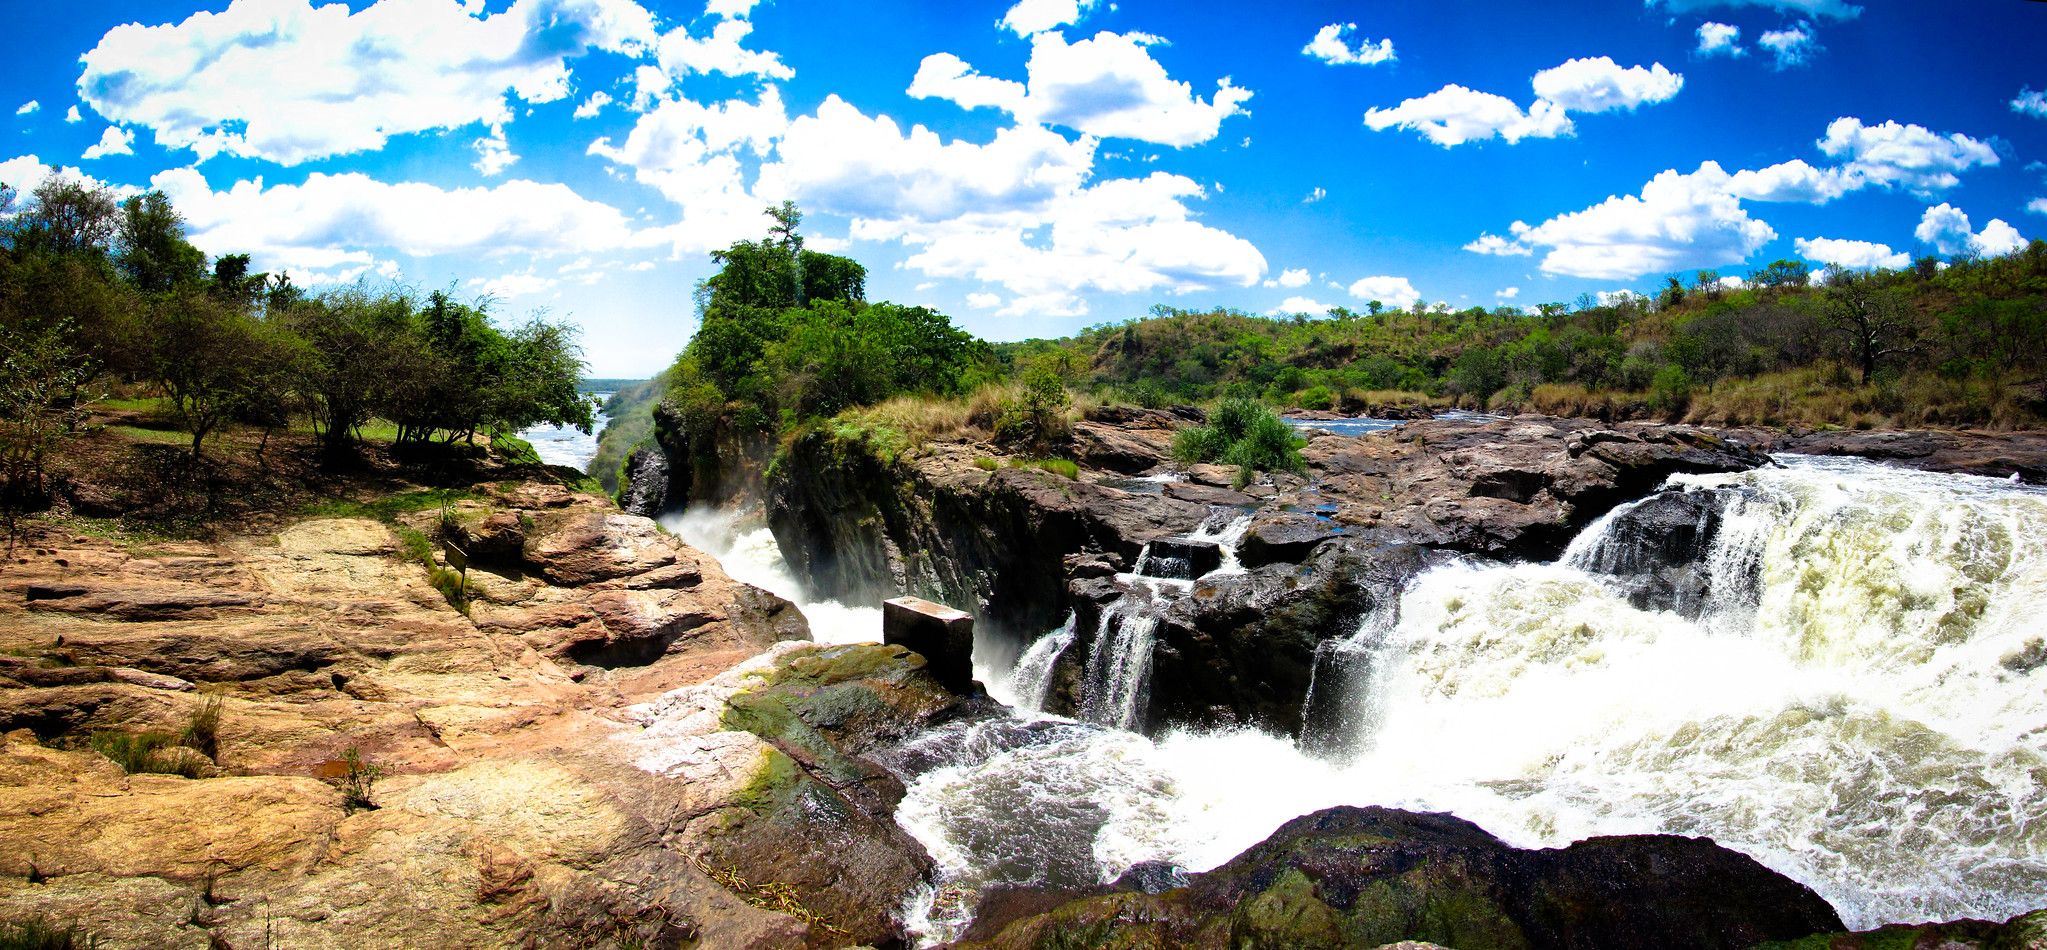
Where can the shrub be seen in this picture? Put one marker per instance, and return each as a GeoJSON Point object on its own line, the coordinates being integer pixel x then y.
{"type": "Point", "coordinates": [357, 781]}
{"type": "Point", "coordinates": [1317, 397]}
{"type": "Point", "coordinates": [1672, 390]}
{"type": "Point", "coordinates": [1245, 433]}
{"type": "Point", "coordinates": [38, 933]}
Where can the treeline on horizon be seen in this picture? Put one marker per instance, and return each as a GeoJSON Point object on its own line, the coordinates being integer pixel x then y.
{"type": "Point", "coordinates": [788, 342]}
{"type": "Point", "coordinates": [102, 296]}
{"type": "Point", "coordinates": [1957, 343]}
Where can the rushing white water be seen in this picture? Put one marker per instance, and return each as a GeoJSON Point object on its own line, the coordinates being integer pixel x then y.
{"type": "Point", "coordinates": [752, 557]}
{"type": "Point", "coordinates": [1860, 706]}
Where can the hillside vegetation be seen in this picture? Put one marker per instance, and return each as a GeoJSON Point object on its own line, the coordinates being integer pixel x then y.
{"type": "Point", "coordinates": [1938, 344]}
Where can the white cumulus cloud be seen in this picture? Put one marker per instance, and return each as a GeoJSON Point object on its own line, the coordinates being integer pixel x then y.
{"type": "Point", "coordinates": [1601, 85]}
{"type": "Point", "coordinates": [1293, 305]}
{"type": "Point", "coordinates": [1835, 9]}
{"type": "Point", "coordinates": [1454, 115]}
{"type": "Point", "coordinates": [1946, 228]}
{"type": "Point", "coordinates": [692, 153]}
{"type": "Point", "coordinates": [1794, 180]}
{"type": "Point", "coordinates": [26, 173]}
{"type": "Point", "coordinates": [1391, 291]}
{"type": "Point", "coordinates": [1017, 211]}
{"type": "Point", "coordinates": [1330, 47]}
{"type": "Point", "coordinates": [1719, 39]}
{"type": "Point", "coordinates": [335, 219]}
{"type": "Point", "coordinates": [984, 301]}
{"type": "Point", "coordinates": [1793, 46]}
{"type": "Point", "coordinates": [1856, 255]}
{"type": "Point", "coordinates": [1678, 222]}
{"type": "Point", "coordinates": [1107, 86]}
{"type": "Point", "coordinates": [1036, 16]}
{"type": "Point", "coordinates": [28, 107]}
{"type": "Point", "coordinates": [114, 141]}
{"type": "Point", "coordinates": [288, 82]}
{"type": "Point", "coordinates": [511, 285]}
{"type": "Point", "coordinates": [1508, 294]}
{"type": "Point", "coordinates": [680, 53]}
{"type": "Point", "coordinates": [1293, 278]}
{"type": "Point", "coordinates": [1922, 161]}
{"type": "Point", "coordinates": [73, 116]}
{"type": "Point", "coordinates": [593, 105]}
{"type": "Point", "coordinates": [2037, 206]}
{"type": "Point", "coordinates": [1495, 244]}
{"type": "Point", "coordinates": [493, 152]}
{"type": "Point", "coordinates": [2028, 102]}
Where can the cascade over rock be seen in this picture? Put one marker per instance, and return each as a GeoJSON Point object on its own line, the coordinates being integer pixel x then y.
{"type": "Point", "coordinates": [1367, 877]}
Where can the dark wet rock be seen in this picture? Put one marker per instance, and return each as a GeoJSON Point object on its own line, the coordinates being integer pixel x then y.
{"type": "Point", "coordinates": [643, 489]}
{"type": "Point", "coordinates": [1180, 558]}
{"type": "Point", "coordinates": [2026, 931]}
{"type": "Point", "coordinates": [1283, 537]}
{"type": "Point", "coordinates": [1658, 551]}
{"type": "Point", "coordinates": [1367, 877]}
{"type": "Point", "coordinates": [1240, 648]}
{"type": "Point", "coordinates": [1992, 454]}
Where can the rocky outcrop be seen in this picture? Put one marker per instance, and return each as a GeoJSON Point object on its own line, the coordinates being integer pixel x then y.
{"type": "Point", "coordinates": [643, 482]}
{"type": "Point", "coordinates": [1658, 551]}
{"type": "Point", "coordinates": [507, 793]}
{"type": "Point", "coordinates": [1369, 877]}
{"type": "Point", "coordinates": [1992, 454]}
{"type": "Point", "coordinates": [1241, 649]}
{"type": "Point", "coordinates": [857, 528]}
{"type": "Point", "coordinates": [2026, 931]}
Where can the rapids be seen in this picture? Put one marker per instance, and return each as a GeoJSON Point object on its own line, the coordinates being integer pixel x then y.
{"type": "Point", "coordinates": [1857, 706]}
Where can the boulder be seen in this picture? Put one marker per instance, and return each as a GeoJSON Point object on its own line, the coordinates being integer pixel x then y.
{"type": "Point", "coordinates": [1372, 877]}
{"type": "Point", "coordinates": [1182, 558]}
{"type": "Point", "coordinates": [1283, 537]}
{"type": "Point", "coordinates": [1114, 448]}
{"type": "Point", "coordinates": [643, 482]}
{"type": "Point", "coordinates": [1658, 551]}
{"type": "Point", "coordinates": [582, 547]}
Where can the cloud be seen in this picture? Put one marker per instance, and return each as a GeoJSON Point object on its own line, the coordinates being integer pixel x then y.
{"type": "Point", "coordinates": [28, 107]}
{"type": "Point", "coordinates": [1454, 115]}
{"type": "Point", "coordinates": [2028, 102]}
{"type": "Point", "coordinates": [1293, 305]}
{"type": "Point", "coordinates": [1293, 278]}
{"type": "Point", "coordinates": [1601, 85]}
{"type": "Point", "coordinates": [1107, 86]}
{"type": "Point", "coordinates": [1791, 47]}
{"type": "Point", "coordinates": [511, 285]}
{"type": "Point", "coordinates": [114, 141]}
{"type": "Point", "coordinates": [2037, 206]}
{"type": "Point", "coordinates": [692, 153]}
{"type": "Point", "coordinates": [493, 153]}
{"type": "Point", "coordinates": [73, 116]}
{"type": "Point", "coordinates": [593, 105]}
{"type": "Point", "coordinates": [1679, 222]}
{"type": "Point", "coordinates": [287, 82]}
{"type": "Point", "coordinates": [335, 219]}
{"type": "Point", "coordinates": [1037, 16]}
{"type": "Point", "coordinates": [731, 9]}
{"type": "Point", "coordinates": [1719, 39]}
{"type": "Point", "coordinates": [1017, 211]}
{"type": "Point", "coordinates": [1835, 9]}
{"type": "Point", "coordinates": [1391, 291]}
{"type": "Point", "coordinates": [1495, 244]}
{"type": "Point", "coordinates": [984, 301]}
{"type": "Point", "coordinates": [1317, 195]}
{"type": "Point", "coordinates": [1795, 180]}
{"type": "Point", "coordinates": [1892, 154]}
{"type": "Point", "coordinates": [1946, 228]}
{"type": "Point", "coordinates": [1329, 47]}
{"type": "Point", "coordinates": [1508, 294]}
{"type": "Point", "coordinates": [26, 173]}
{"type": "Point", "coordinates": [1855, 255]}
{"type": "Point", "coordinates": [680, 53]}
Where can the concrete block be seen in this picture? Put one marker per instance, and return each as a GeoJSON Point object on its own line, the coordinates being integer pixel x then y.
{"type": "Point", "coordinates": [942, 635]}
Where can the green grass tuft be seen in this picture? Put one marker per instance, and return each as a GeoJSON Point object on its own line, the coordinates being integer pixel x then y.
{"type": "Point", "coordinates": [1061, 467]}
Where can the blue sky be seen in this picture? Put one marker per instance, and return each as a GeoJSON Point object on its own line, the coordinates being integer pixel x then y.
{"type": "Point", "coordinates": [1032, 168]}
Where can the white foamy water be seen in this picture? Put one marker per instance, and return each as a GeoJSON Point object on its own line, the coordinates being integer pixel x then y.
{"type": "Point", "coordinates": [1861, 707]}
{"type": "Point", "coordinates": [752, 557]}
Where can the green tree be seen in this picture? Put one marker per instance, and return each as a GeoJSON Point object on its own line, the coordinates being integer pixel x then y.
{"type": "Point", "coordinates": [1872, 319]}
{"type": "Point", "coordinates": [150, 249]}
{"type": "Point", "coordinates": [209, 358]}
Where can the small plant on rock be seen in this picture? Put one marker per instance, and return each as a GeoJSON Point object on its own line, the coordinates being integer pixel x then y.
{"type": "Point", "coordinates": [1245, 433]}
{"type": "Point", "coordinates": [357, 781]}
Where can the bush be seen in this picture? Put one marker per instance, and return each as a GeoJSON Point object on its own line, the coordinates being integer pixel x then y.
{"type": "Point", "coordinates": [38, 933]}
{"type": "Point", "coordinates": [1245, 433]}
{"type": "Point", "coordinates": [1317, 397]}
{"type": "Point", "coordinates": [1672, 390]}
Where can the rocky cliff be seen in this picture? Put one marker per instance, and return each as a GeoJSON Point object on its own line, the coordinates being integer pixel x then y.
{"type": "Point", "coordinates": [300, 740]}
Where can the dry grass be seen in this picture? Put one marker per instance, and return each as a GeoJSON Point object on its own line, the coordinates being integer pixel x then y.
{"type": "Point", "coordinates": [1830, 396]}
{"type": "Point", "coordinates": [1375, 401]}
{"type": "Point", "coordinates": [918, 418]}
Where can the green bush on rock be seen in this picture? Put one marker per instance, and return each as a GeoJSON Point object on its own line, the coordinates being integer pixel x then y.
{"type": "Point", "coordinates": [1245, 433]}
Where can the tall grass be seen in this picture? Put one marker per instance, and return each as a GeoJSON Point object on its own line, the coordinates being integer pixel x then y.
{"type": "Point", "coordinates": [38, 933]}
{"type": "Point", "coordinates": [1245, 433]}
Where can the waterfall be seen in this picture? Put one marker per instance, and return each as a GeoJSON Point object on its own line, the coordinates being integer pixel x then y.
{"type": "Point", "coordinates": [1032, 678]}
{"type": "Point", "coordinates": [1119, 662]}
{"type": "Point", "coordinates": [1841, 677]}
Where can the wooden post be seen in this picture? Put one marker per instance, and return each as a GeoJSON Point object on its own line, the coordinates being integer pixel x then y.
{"type": "Point", "coordinates": [459, 561]}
